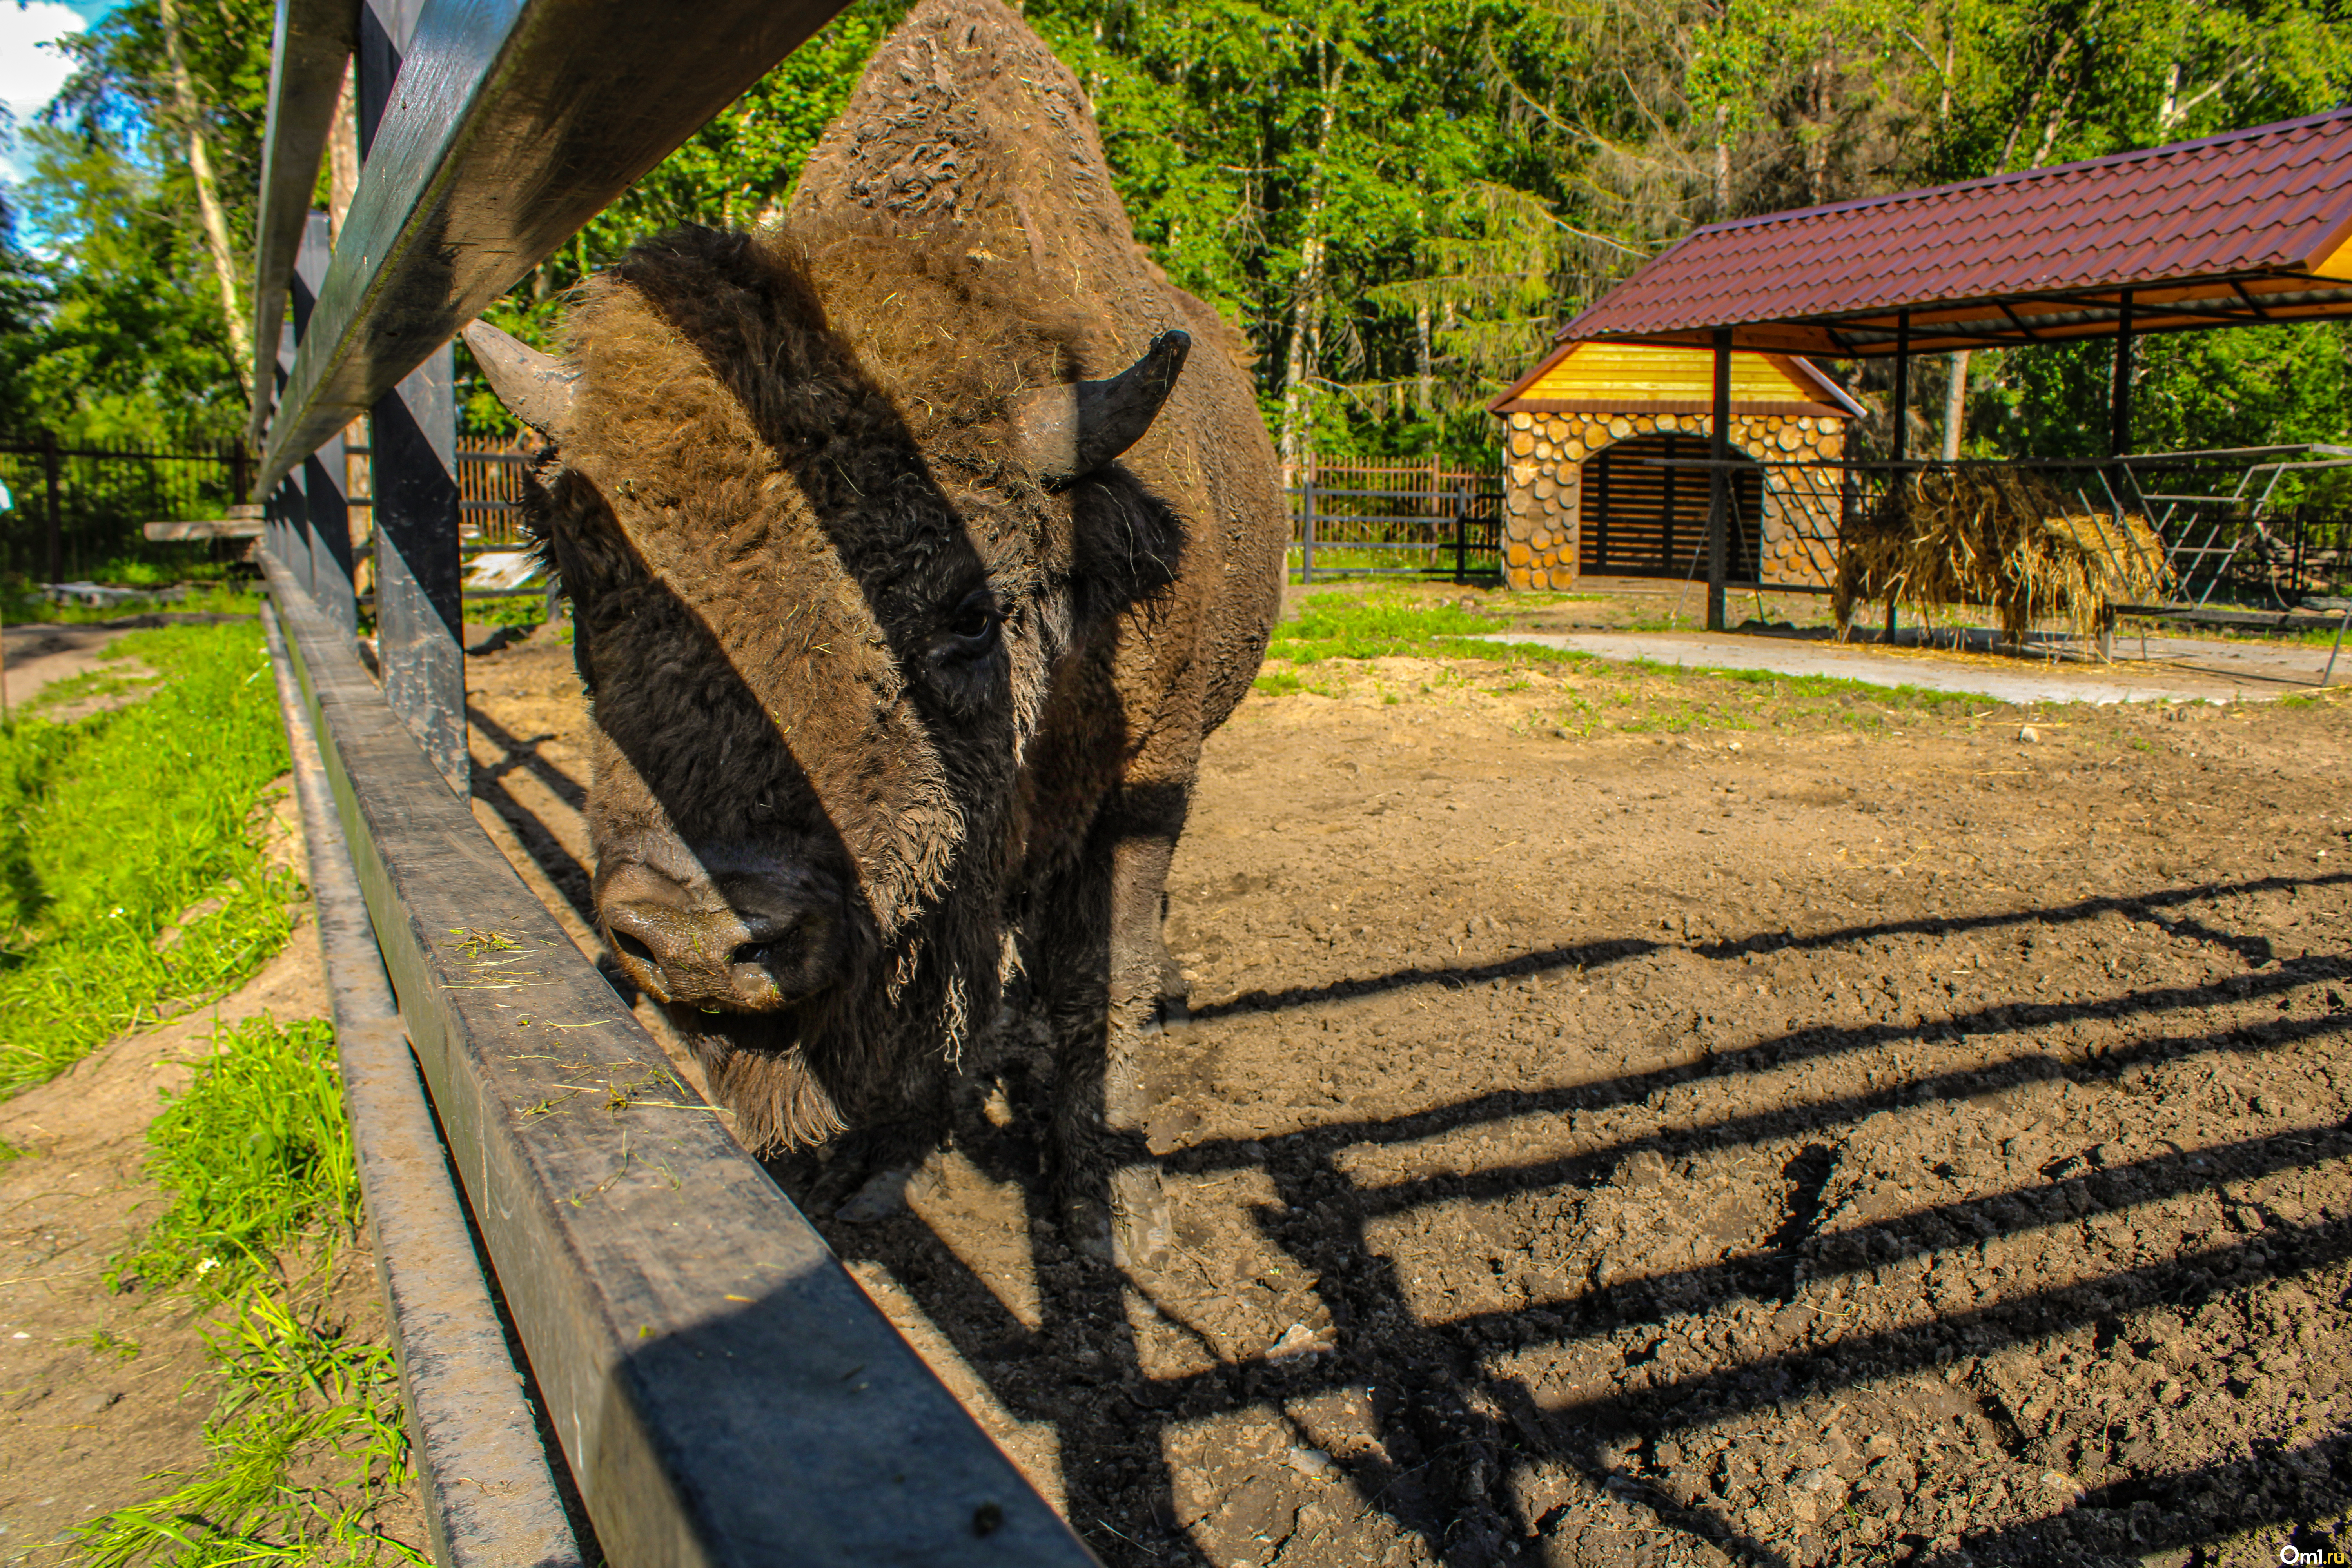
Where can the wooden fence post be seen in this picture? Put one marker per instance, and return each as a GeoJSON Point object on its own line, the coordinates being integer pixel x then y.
{"type": "Point", "coordinates": [325, 507]}
{"type": "Point", "coordinates": [412, 476]}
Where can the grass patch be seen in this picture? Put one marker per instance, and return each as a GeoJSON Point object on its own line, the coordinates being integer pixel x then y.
{"type": "Point", "coordinates": [513, 610]}
{"type": "Point", "coordinates": [1375, 625]}
{"type": "Point", "coordinates": [1921, 697]}
{"type": "Point", "coordinates": [305, 1444]}
{"type": "Point", "coordinates": [19, 606]}
{"type": "Point", "coordinates": [131, 864]}
{"type": "Point", "coordinates": [90, 684]}
{"type": "Point", "coordinates": [257, 1151]}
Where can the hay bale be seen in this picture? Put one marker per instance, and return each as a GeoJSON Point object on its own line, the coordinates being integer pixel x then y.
{"type": "Point", "coordinates": [1996, 537]}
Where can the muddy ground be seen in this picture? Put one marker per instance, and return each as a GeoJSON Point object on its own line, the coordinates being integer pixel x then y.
{"type": "Point", "coordinates": [1639, 1119]}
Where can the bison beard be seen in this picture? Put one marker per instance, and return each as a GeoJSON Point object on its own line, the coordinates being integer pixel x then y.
{"type": "Point", "coordinates": [912, 560]}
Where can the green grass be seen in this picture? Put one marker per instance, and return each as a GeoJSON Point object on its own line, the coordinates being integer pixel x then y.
{"type": "Point", "coordinates": [257, 1151]}
{"type": "Point", "coordinates": [1375, 625]}
{"type": "Point", "coordinates": [131, 866]}
{"type": "Point", "coordinates": [19, 606]}
{"type": "Point", "coordinates": [514, 610]}
{"type": "Point", "coordinates": [1625, 697]}
{"type": "Point", "coordinates": [1832, 687]}
{"type": "Point", "coordinates": [305, 1443]}
{"type": "Point", "coordinates": [89, 684]}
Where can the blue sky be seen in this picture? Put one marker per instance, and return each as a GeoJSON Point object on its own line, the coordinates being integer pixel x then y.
{"type": "Point", "coordinates": [30, 74]}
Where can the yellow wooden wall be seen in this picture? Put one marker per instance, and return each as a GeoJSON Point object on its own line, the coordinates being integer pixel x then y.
{"type": "Point", "coordinates": [1633, 373]}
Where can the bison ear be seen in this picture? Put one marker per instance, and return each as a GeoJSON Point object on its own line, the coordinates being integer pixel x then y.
{"type": "Point", "coordinates": [1070, 430]}
{"type": "Point", "coordinates": [537, 388]}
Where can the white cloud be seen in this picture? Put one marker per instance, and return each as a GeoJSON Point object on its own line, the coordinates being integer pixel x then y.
{"type": "Point", "coordinates": [31, 68]}
{"type": "Point", "coordinates": [31, 73]}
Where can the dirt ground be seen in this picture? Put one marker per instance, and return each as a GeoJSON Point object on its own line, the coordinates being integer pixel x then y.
{"type": "Point", "coordinates": [1638, 1118]}
{"type": "Point", "coordinates": [102, 1390]}
{"type": "Point", "coordinates": [36, 655]}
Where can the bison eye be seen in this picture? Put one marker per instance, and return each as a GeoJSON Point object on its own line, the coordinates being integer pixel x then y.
{"type": "Point", "coordinates": [971, 631]}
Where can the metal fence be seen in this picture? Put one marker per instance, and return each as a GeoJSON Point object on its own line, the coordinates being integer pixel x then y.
{"type": "Point", "coordinates": [1394, 520]}
{"type": "Point", "coordinates": [2226, 535]}
{"type": "Point", "coordinates": [75, 506]}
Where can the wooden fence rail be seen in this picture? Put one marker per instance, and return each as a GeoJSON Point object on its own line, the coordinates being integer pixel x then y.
{"type": "Point", "coordinates": [721, 1391]}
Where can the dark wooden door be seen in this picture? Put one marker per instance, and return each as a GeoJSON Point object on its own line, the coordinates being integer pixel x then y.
{"type": "Point", "coordinates": [1642, 518]}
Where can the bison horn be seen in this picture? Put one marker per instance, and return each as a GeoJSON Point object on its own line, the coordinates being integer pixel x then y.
{"type": "Point", "coordinates": [537, 388]}
{"type": "Point", "coordinates": [1077, 427]}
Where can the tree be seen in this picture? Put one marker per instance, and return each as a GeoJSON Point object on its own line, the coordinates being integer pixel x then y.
{"type": "Point", "coordinates": [737, 171]}
{"type": "Point", "coordinates": [145, 171]}
{"type": "Point", "coordinates": [120, 349]}
{"type": "Point", "coordinates": [2063, 80]}
{"type": "Point", "coordinates": [1359, 188]}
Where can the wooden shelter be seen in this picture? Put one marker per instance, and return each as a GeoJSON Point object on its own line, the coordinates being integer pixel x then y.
{"type": "Point", "coordinates": [1590, 485]}
{"type": "Point", "coordinates": [2242, 229]}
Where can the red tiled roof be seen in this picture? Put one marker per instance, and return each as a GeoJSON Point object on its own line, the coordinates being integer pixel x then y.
{"type": "Point", "coordinates": [2232, 229]}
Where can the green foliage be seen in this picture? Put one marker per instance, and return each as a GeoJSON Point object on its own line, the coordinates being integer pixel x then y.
{"type": "Point", "coordinates": [2250, 387]}
{"type": "Point", "coordinates": [257, 1154]}
{"type": "Point", "coordinates": [1350, 185]}
{"type": "Point", "coordinates": [131, 340]}
{"type": "Point", "coordinates": [738, 171]}
{"type": "Point", "coordinates": [132, 870]}
{"type": "Point", "coordinates": [1397, 205]}
{"type": "Point", "coordinates": [132, 343]}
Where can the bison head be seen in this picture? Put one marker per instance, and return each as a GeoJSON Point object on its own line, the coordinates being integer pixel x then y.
{"type": "Point", "coordinates": [831, 512]}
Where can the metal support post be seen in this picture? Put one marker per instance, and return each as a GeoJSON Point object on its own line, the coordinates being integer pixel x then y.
{"type": "Point", "coordinates": [419, 605]}
{"type": "Point", "coordinates": [2119, 411]}
{"type": "Point", "coordinates": [57, 519]}
{"type": "Point", "coordinates": [1306, 528]}
{"type": "Point", "coordinates": [1718, 482]}
{"type": "Point", "coordinates": [1899, 438]}
{"type": "Point", "coordinates": [1461, 537]}
{"type": "Point", "coordinates": [325, 507]}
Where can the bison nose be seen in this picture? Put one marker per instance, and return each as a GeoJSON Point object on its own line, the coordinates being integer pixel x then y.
{"type": "Point", "coordinates": [751, 950]}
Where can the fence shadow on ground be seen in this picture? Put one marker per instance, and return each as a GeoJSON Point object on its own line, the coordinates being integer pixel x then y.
{"type": "Point", "coordinates": [1452, 1430]}
{"type": "Point", "coordinates": [1472, 1427]}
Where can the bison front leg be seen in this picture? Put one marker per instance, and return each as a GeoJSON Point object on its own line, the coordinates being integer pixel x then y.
{"type": "Point", "coordinates": [1107, 990]}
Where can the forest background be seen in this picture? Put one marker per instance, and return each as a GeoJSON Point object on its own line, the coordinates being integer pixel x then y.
{"type": "Point", "coordinates": [1399, 203]}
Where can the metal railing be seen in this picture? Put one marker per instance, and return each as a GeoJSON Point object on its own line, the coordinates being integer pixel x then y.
{"type": "Point", "coordinates": [76, 505]}
{"type": "Point", "coordinates": [1417, 520]}
{"type": "Point", "coordinates": [719, 1390]}
{"type": "Point", "coordinates": [2224, 528]}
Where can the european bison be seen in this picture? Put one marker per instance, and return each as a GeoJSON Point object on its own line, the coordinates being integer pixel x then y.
{"type": "Point", "coordinates": [910, 574]}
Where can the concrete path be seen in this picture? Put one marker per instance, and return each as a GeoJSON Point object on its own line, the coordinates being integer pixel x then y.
{"type": "Point", "coordinates": [2175, 669]}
